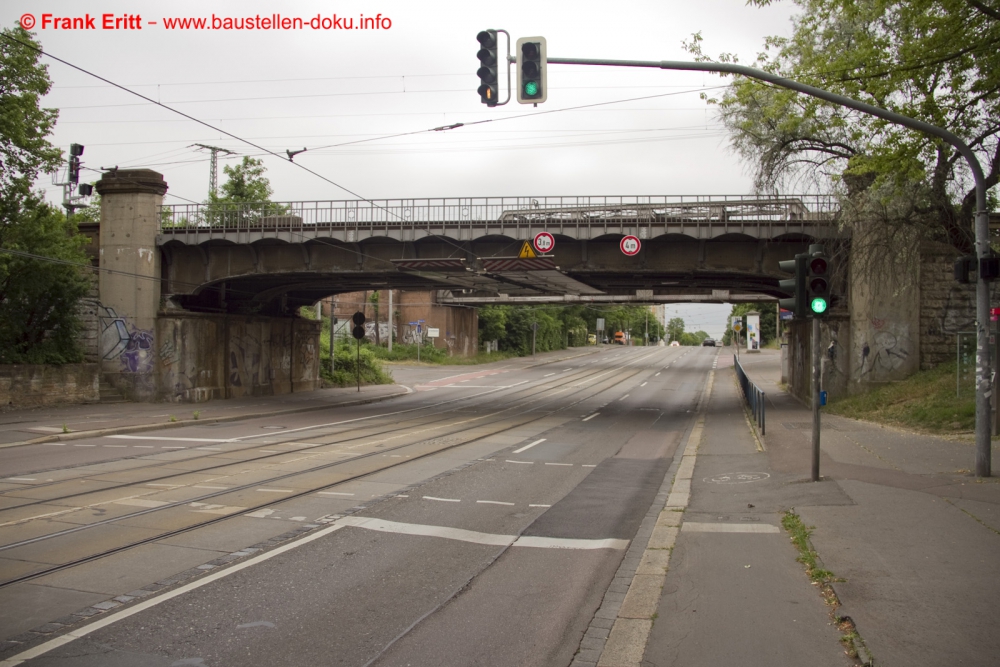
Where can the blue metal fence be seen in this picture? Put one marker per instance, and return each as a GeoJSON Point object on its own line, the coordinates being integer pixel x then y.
{"type": "Point", "coordinates": [752, 393]}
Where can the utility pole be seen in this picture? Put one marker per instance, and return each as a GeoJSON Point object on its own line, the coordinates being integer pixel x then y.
{"type": "Point", "coordinates": [815, 398]}
{"type": "Point", "coordinates": [213, 174]}
{"type": "Point", "coordinates": [390, 320]}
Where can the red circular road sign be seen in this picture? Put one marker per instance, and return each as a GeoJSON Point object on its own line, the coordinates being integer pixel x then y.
{"type": "Point", "coordinates": [544, 242]}
{"type": "Point", "coordinates": [630, 245]}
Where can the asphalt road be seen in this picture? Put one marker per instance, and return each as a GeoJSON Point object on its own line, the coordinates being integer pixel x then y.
{"type": "Point", "coordinates": [477, 521]}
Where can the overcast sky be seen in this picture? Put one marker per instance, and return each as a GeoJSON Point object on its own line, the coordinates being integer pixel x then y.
{"type": "Point", "coordinates": [290, 89]}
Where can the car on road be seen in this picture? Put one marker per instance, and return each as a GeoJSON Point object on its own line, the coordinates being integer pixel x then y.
{"type": "Point", "coordinates": [620, 338]}
{"type": "Point", "coordinates": [708, 342]}
{"type": "Point", "coordinates": [675, 343]}
{"type": "Point", "coordinates": [591, 339]}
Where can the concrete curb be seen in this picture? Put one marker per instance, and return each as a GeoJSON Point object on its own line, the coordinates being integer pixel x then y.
{"type": "Point", "coordinates": [138, 428]}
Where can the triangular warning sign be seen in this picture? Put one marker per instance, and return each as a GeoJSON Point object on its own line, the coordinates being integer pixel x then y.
{"type": "Point", "coordinates": [527, 252]}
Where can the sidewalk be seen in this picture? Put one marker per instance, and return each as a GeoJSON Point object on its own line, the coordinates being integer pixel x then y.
{"type": "Point", "coordinates": [913, 539]}
{"type": "Point", "coordinates": [68, 422]}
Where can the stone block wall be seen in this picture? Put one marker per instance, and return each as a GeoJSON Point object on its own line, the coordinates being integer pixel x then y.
{"type": "Point", "coordinates": [31, 385]}
{"type": "Point", "coordinates": [946, 306]}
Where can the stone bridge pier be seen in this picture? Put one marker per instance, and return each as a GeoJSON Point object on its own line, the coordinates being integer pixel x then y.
{"type": "Point", "coordinates": [149, 353]}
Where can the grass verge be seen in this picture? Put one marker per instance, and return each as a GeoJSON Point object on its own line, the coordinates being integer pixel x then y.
{"type": "Point", "coordinates": [924, 402]}
{"type": "Point", "coordinates": [854, 645]}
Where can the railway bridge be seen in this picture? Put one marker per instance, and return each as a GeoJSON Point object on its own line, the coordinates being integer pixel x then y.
{"type": "Point", "coordinates": [200, 301]}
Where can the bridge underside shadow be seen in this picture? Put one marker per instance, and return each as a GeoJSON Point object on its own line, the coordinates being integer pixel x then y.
{"type": "Point", "coordinates": [276, 277]}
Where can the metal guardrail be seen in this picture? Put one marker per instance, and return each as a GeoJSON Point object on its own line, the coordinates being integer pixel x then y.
{"type": "Point", "coordinates": [752, 393]}
{"type": "Point", "coordinates": [508, 211]}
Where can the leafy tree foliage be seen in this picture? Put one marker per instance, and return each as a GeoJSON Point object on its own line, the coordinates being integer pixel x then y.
{"type": "Point", "coordinates": [38, 323]}
{"type": "Point", "coordinates": [245, 197]}
{"type": "Point", "coordinates": [934, 60]}
{"type": "Point", "coordinates": [768, 321]}
{"type": "Point", "coordinates": [560, 326]}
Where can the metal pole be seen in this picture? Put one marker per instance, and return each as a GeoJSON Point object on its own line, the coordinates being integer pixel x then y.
{"type": "Point", "coordinates": [984, 375]}
{"type": "Point", "coordinates": [358, 367]}
{"type": "Point", "coordinates": [418, 342]}
{"type": "Point", "coordinates": [390, 320]}
{"type": "Point", "coordinates": [815, 399]}
{"type": "Point", "coordinates": [333, 324]}
{"type": "Point", "coordinates": [534, 329]}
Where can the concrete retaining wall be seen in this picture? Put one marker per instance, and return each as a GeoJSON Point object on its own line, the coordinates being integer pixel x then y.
{"type": "Point", "coordinates": [204, 356]}
{"type": "Point", "coordinates": [30, 385]}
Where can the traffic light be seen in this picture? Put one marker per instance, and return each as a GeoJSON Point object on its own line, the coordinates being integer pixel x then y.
{"type": "Point", "coordinates": [818, 281]}
{"type": "Point", "coordinates": [795, 286]}
{"type": "Point", "coordinates": [75, 151]}
{"type": "Point", "coordinates": [488, 92]}
{"type": "Point", "coordinates": [531, 70]}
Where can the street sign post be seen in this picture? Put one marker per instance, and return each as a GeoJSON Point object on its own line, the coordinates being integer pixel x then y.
{"type": "Point", "coordinates": [544, 242]}
{"type": "Point", "coordinates": [358, 332]}
{"type": "Point", "coordinates": [630, 245]}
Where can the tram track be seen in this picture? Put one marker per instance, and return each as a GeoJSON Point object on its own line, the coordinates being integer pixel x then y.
{"type": "Point", "coordinates": [493, 427]}
{"type": "Point", "coordinates": [538, 388]}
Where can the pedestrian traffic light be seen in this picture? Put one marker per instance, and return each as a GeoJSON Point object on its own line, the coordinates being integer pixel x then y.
{"type": "Point", "coordinates": [488, 92]}
{"type": "Point", "coordinates": [796, 286]}
{"type": "Point", "coordinates": [818, 281]}
{"type": "Point", "coordinates": [531, 70]}
{"type": "Point", "coordinates": [75, 151]}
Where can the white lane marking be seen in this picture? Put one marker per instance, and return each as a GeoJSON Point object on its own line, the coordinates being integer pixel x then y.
{"type": "Point", "coordinates": [333, 493]}
{"type": "Point", "coordinates": [548, 374]}
{"type": "Point", "coordinates": [567, 370]}
{"type": "Point", "coordinates": [46, 429]}
{"type": "Point", "coordinates": [528, 462]}
{"type": "Point", "coordinates": [539, 505]}
{"type": "Point", "coordinates": [443, 500]}
{"type": "Point", "coordinates": [140, 502]}
{"type": "Point", "coordinates": [114, 617]}
{"type": "Point", "coordinates": [163, 437]}
{"type": "Point", "coordinates": [643, 384]}
{"type": "Point", "coordinates": [656, 375]}
{"type": "Point", "coordinates": [276, 490]}
{"type": "Point", "coordinates": [85, 445]}
{"type": "Point", "coordinates": [493, 502]}
{"type": "Point", "coordinates": [476, 537]}
{"type": "Point", "coordinates": [527, 447]}
{"type": "Point", "coordinates": [402, 496]}
{"type": "Point", "coordinates": [694, 527]}
{"type": "Point", "coordinates": [173, 447]}
{"type": "Point", "coordinates": [568, 543]}
{"type": "Point", "coordinates": [587, 419]}
{"type": "Point", "coordinates": [260, 514]}
{"type": "Point", "coordinates": [624, 397]}
{"type": "Point", "coordinates": [21, 479]}
{"type": "Point", "coordinates": [586, 465]}
{"type": "Point", "coordinates": [114, 445]}
{"type": "Point", "coordinates": [143, 446]}
{"type": "Point", "coordinates": [206, 486]}
{"type": "Point", "coordinates": [558, 464]}
{"type": "Point", "coordinates": [54, 444]}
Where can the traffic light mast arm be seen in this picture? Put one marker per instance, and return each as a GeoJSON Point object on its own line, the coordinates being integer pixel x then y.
{"type": "Point", "coordinates": [500, 104]}
{"type": "Point", "coordinates": [984, 362]}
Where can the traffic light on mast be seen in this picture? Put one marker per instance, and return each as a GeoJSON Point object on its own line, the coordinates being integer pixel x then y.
{"type": "Point", "coordinates": [75, 151]}
{"type": "Point", "coordinates": [488, 92]}
{"type": "Point", "coordinates": [795, 286]}
{"type": "Point", "coordinates": [818, 281]}
{"type": "Point", "coordinates": [532, 86]}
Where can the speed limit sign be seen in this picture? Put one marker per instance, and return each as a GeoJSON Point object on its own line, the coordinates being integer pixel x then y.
{"type": "Point", "coordinates": [544, 242]}
{"type": "Point", "coordinates": [630, 245]}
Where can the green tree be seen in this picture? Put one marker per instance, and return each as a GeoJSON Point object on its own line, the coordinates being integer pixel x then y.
{"type": "Point", "coordinates": [245, 197]}
{"type": "Point", "coordinates": [768, 321]}
{"type": "Point", "coordinates": [675, 329]}
{"type": "Point", "coordinates": [41, 255]}
{"type": "Point", "coordinates": [934, 60]}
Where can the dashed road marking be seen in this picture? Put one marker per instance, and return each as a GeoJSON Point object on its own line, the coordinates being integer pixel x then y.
{"type": "Point", "coordinates": [527, 447]}
{"type": "Point", "coordinates": [494, 502]}
{"type": "Point", "coordinates": [587, 419]}
{"type": "Point", "coordinates": [528, 462]}
{"type": "Point", "coordinates": [643, 384]}
{"type": "Point", "coordinates": [443, 500]}
{"type": "Point", "coordinates": [558, 464]}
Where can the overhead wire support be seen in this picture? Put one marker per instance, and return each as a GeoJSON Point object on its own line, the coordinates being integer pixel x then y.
{"type": "Point", "coordinates": [213, 174]}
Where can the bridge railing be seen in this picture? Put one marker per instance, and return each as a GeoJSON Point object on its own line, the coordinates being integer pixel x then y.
{"type": "Point", "coordinates": [502, 211]}
{"type": "Point", "coordinates": [752, 394]}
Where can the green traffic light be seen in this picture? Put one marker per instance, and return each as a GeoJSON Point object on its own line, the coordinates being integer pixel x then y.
{"type": "Point", "coordinates": [818, 305]}
{"type": "Point", "coordinates": [531, 88]}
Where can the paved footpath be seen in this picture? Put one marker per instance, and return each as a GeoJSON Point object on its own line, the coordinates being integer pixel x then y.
{"type": "Point", "coordinates": [913, 539]}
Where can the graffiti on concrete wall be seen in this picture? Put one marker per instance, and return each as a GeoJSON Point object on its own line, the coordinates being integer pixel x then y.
{"type": "Point", "coordinates": [884, 351]}
{"type": "Point", "coordinates": [122, 341]}
{"type": "Point", "coordinates": [245, 357]}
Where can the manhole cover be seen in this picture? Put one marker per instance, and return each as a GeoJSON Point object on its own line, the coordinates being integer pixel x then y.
{"type": "Point", "coordinates": [738, 477]}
